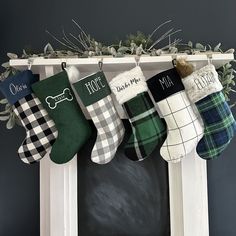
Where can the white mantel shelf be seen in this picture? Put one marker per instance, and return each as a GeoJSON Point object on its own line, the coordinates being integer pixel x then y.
{"type": "Point", "coordinates": [187, 179]}
{"type": "Point", "coordinates": [112, 64]}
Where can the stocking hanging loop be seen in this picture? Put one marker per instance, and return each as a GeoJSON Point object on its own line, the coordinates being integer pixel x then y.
{"type": "Point", "coordinates": [174, 60]}
{"type": "Point", "coordinates": [100, 64]}
{"type": "Point", "coordinates": [209, 58]}
{"type": "Point", "coordinates": [137, 60]}
{"type": "Point", "coordinates": [30, 63]}
{"type": "Point", "coordinates": [63, 65]}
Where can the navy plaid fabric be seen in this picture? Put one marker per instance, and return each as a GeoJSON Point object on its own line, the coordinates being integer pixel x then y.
{"type": "Point", "coordinates": [40, 129]}
{"type": "Point", "coordinates": [220, 125]}
{"type": "Point", "coordinates": [148, 129]}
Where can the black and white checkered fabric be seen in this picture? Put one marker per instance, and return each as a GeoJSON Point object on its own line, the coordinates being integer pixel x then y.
{"type": "Point", "coordinates": [110, 130]}
{"type": "Point", "coordinates": [185, 128]}
{"type": "Point", "coordinates": [40, 129]}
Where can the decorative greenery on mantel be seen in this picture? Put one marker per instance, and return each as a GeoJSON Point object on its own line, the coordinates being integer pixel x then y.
{"type": "Point", "coordinates": [83, 45]}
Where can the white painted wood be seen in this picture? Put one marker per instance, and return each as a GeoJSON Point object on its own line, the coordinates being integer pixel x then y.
{"type": "Point", "coordinates": [187, 180]}
{"type": "Point", "coordinates": [58, 193]}
{"type": "Point", "coordinates": [188, 197]}
{"type": "Point", "coordinates": [111, 64]}
{"type": "Point", "coordinates": [176, 199]}
{"type": "Point", "coordinates": [195, 197]}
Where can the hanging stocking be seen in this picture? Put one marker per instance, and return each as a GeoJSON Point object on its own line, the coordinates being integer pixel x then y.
{"type": "Point", "coordinates": [184, 127]}
{"type": "Point", "coordinates": [40, 129]}
{"type": "Point", "coordinates": [57, 97]}
{"type": "Point", "coordinates": [96, 96]}
{"type": "Point", "coordinates": [148, 129]}
{"type": "Point", "coordinates": [204, 89]}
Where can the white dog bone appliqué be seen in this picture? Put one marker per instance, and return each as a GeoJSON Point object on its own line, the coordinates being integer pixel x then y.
{"type": "Point", "coordinates": [53, 101]}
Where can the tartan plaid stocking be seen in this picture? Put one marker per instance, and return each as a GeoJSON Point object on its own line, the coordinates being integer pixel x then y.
{"type": "Point", "coordinates": [184, 127]}
{"type": "Point", "coordinates": [204, 89]}
{"type": "Point", "coordinates": [95, 94]}
{"type": "Point", "coordinates": [40, 129]}
{"type": "Point", "coordinates": [74, 130]}
{"type": "Point", "coordinates": [148, 130]}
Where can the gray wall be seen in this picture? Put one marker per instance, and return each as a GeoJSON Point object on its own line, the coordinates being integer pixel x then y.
{"type": "Point", "coordinates": [23, 24]}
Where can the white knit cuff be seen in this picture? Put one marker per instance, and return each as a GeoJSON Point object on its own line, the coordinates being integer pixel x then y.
{"type": "Point", "coordinates": [128, 84]}
{"type": "Point", "coordinates": [202, 83]}
{"type": "Point", "coordinates": [73, 74]}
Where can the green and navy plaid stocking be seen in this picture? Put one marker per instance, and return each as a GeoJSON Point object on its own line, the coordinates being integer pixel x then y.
{"type": "Point", "coordinates": [148, 129]}
{"type": "Point", "coordinates": [204, 89]}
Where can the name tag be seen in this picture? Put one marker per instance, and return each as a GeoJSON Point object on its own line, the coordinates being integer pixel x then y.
{"type": "Point", "coordinates": [14, 89]}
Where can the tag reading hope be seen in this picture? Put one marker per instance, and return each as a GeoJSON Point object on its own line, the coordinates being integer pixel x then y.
{"type": "Point", "coordinates": [92, 88]}
{"type": "Point", "coordinates": [95, 84]}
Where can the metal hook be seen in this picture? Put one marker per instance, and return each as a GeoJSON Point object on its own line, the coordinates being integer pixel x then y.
{"type": "Point", "coordinates": [63, 65]}
{"type": "Point", "coordinates": [174, 60]}
{"type": "Point", "coordinates": [100, 64]}
{"type": "Point", "coordinates": [30, 63]}
{"type": "Point", "coordinates": [209, 58]}
{"type": "Point", "coordinates": [137, 60]}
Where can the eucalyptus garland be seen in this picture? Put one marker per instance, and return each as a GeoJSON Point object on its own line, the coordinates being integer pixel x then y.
{"type": "Point", "coordinates": [83, 45]}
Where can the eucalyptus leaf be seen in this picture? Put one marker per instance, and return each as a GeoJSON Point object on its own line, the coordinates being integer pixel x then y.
{"type": "Point", "coordinates": [48, 48]}
{"type": "Point", "coordinates": [12, 55]}
{"type": "Point", "coordinates": [4, 118]}
{"type": "Point", "coordinates": [10, 124]}
{"type": "Point", "coordinates": [217, 47]}
{"type": "Point", "coordinates": [3, 101]}
{"type": "Point", "coordinates": [190, 44]}
{"type": "Point", "coordinates": [25, 53]}
{"type": "Point", "coordinates": [200, 47]}
{"type": "Point", "coordinates": [5, 112]}
{"type": "Point", "coordinates": [6, 73]}
{"type": "Point", "coordinates": [231, 50]}
{"type": "Point", "coordinates": [5, 64]}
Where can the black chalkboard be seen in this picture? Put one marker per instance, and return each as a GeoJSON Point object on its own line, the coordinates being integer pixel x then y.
{"type": "Point", "coordinates": [123, 198]}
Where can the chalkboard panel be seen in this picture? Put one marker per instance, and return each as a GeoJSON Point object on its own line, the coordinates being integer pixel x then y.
{"type": "Point", "coordinates": [123, 198]}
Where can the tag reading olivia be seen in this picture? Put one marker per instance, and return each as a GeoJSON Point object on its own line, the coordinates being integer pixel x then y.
{"type": "Point", "coordinates": [14, 89]}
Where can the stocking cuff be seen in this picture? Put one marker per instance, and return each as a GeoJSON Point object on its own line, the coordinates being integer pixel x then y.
{"type": "Point", "coordinates": [165, 84]}
{"type": "Point", "coordinates": [92, 88]}
{"type": "Point", "coordinates": [202, 83]}
{"type": "Point", "coordinates": [73, 74]}
{"type": "Point", "coordinates": [128, 84]}
{"type": "Point", "coordinates": [18, 86]}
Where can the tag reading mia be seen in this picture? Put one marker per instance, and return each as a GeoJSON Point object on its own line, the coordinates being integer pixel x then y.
{"type": "Point", "coordinates": [165, 84]}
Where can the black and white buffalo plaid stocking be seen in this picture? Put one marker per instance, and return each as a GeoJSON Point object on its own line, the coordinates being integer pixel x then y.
{"type": "Point", "coordinates": [40, 129]}
{"type": "Point", "coordinates": [96, 96]}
